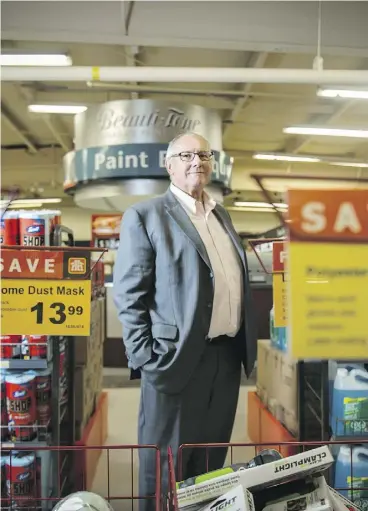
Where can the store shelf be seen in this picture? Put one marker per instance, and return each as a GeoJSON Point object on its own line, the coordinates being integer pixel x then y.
{"type": "Point", "coordinates": [19, 364]}
{"type": "Point", "coordinates": [264, 428]}
{"type": "Point", "coordinates": [32, 445]}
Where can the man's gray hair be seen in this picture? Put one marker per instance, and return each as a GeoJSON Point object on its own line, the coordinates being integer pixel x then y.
{"type": "Point", "coordinates": [171, 147]}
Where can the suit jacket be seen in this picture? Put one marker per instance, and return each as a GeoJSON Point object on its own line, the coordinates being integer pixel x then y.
{"type": "Point", "coordinates": [163, 292]}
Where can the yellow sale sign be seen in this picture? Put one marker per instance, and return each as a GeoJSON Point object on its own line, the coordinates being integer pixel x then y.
{"type": "Point", "coordinates": [328, 274]}
{"type": "Point", "coordinates": [45, 307]}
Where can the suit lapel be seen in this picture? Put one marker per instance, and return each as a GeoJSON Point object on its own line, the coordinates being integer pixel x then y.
{"type": "Point", "coordinates": [222, 217]}
{"type": "Point", "coordinates": [178, 214]}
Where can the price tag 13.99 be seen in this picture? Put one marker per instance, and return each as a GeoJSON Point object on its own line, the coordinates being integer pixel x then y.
{"type": "Point", "coordinates": [43, 307]}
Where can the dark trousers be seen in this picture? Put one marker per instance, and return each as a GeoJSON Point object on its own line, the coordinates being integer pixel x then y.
{"type": "Point", "coordinates": [203, 412]}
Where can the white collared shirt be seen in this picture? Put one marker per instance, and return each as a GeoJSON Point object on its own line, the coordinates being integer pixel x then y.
{"type": "Point", "coordinates": [225, 263]}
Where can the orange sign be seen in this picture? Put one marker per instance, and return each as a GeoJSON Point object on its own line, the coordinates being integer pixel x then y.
{"type": "Point", "coordinates": [328, 215]}
{"type": "Point", "coordinates": [33, 264]}
{"type": "Point", "coordinates": [44, 264]}
{"type": "Point", "coordinates": [278, 257]}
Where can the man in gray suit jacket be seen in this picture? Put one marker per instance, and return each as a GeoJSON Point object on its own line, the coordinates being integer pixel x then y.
{"type": "Point", "coordinates": [182, 293]}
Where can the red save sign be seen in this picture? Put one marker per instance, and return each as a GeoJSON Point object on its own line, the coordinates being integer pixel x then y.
{"type": "Point", "coordinates": [278, 256]}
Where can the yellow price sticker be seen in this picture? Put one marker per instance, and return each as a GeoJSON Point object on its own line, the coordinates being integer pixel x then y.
{"type": "Point", "coordinates": [45, 307]}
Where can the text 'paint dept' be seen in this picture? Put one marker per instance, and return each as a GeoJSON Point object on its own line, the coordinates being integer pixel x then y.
{"type": "Point", "coordinates": [122, 161]}
{"type": "Point", "coordinates": [52, 290]}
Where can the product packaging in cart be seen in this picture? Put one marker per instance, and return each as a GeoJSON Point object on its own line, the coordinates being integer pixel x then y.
{"type": "Point", "coordinates": [237, 499]}
{"type": "Point", "coordinates": [264, 476]}
{"type": "Point", "coordinates": [306, 494]}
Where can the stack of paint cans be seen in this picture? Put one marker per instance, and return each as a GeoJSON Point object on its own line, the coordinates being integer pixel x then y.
{"type": "Point", "coordinates": [25, 416]}
{"type": "Point", "coordinates": [34, 228]}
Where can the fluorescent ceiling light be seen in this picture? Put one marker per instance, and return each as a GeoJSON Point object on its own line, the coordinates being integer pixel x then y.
{"type": "Point", "coordinates": [260, 205]}
{"type": "Point", "coordinates": [285, 157]}
{"type": "Point", "coordinates": [31, 59]}
{"type": "Point", "coordinates": [22, 205]}
{"type": "Point", "coordinates": [30, 202]}
{"type": "Point", "coordinates": [329, 132]}
{"type": "Point", "coordinates": [341, 93]}
{"type": "Point", "coordinates": [349, 164]}
{"type": "Point", "coordinates": [57, 109]}
{"type": "Point", "coordinates": [44, 201]}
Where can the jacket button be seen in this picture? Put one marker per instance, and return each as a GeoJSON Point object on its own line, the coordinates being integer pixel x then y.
{"type": "Point", "coordinates": [211, 275]}
{"type": "Point", "coordinates": [209, 305]}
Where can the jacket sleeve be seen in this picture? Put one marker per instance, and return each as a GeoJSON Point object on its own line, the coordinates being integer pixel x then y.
{"type": "Point", "coordinates": [133, 283]}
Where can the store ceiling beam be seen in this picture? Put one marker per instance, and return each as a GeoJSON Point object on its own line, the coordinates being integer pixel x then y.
{"type": "Point", "coordinates": [185, 74]}
{"type": "Point", "coordinates": [297, 144]}
{"type": "Point", "coordinates": [57, 129]}
{"type": "Point", "coordinates": [257, 60]}
{"type": "Point", "coordinates": [17, 127]}
{"type": "Point", "coordinates": [280, 27]}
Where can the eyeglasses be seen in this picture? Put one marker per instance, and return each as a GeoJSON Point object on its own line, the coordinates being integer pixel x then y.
{"type": "Point", "coordinates": [187, 156]}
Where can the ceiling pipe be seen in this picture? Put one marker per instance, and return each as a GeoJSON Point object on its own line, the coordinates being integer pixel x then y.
{"type": "Point", "coordinates": [152, 89]}
{"type": "Point", "coordinates": [184, 74]}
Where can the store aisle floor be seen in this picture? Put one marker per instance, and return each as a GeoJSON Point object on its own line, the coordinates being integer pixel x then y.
{"type": "Point", "coordinates": [123, 413]}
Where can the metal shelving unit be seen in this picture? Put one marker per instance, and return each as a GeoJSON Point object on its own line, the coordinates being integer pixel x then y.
{"type": "Point", "coordinates": [61, 429]}
{"type": "Point", "coordinates": [314, 402]}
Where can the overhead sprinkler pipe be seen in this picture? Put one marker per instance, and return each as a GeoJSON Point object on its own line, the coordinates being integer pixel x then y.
{"type": "Point", "coordinates": [184, 74]}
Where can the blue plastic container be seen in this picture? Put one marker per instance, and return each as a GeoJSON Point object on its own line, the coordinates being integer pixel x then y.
{"type": "Point", "coordinates": [277, 334]}
{"type": "Point", "coordinates": [350, 403]}
{"type": "Point", "coordinates": [333, 366]}
{"type": "Point", "coordinates": [351, 474]}
{"type": "Point", "coordinates": [273, 330]}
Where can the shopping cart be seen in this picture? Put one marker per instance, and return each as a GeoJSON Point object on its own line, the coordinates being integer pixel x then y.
{"type": "Point", "coordinates": [59, 471]}
{"type": "Point", "coordinates": [244, 452]}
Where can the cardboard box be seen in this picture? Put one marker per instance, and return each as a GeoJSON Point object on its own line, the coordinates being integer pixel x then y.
{"type": "Point", "coordinates": [288, 386]}
{"type": "Point", "coordinates": [257, 478]}
{"type": "Point", "coordinates": [85, 346]}
{"type": "Point", "coordinates": [263, 375]}
{"type": "Point", "coordinates": [290, 420]}
{"type": "Point", "coordinates": [274, 369]}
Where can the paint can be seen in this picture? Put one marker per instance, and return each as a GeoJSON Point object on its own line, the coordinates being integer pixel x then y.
{"type": "Point", "coordinates": [21, 479]}
{"type": "Point", "coordinates": [21, 405]}
{"type": "Point", "coordinates": [34, 228]}
{"type": "Point", "coordinates": [9, 228]}
{"type": "Point", "coordinates": [37, 346]}
{"type": "Point", "coordinates": [43, 397]}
